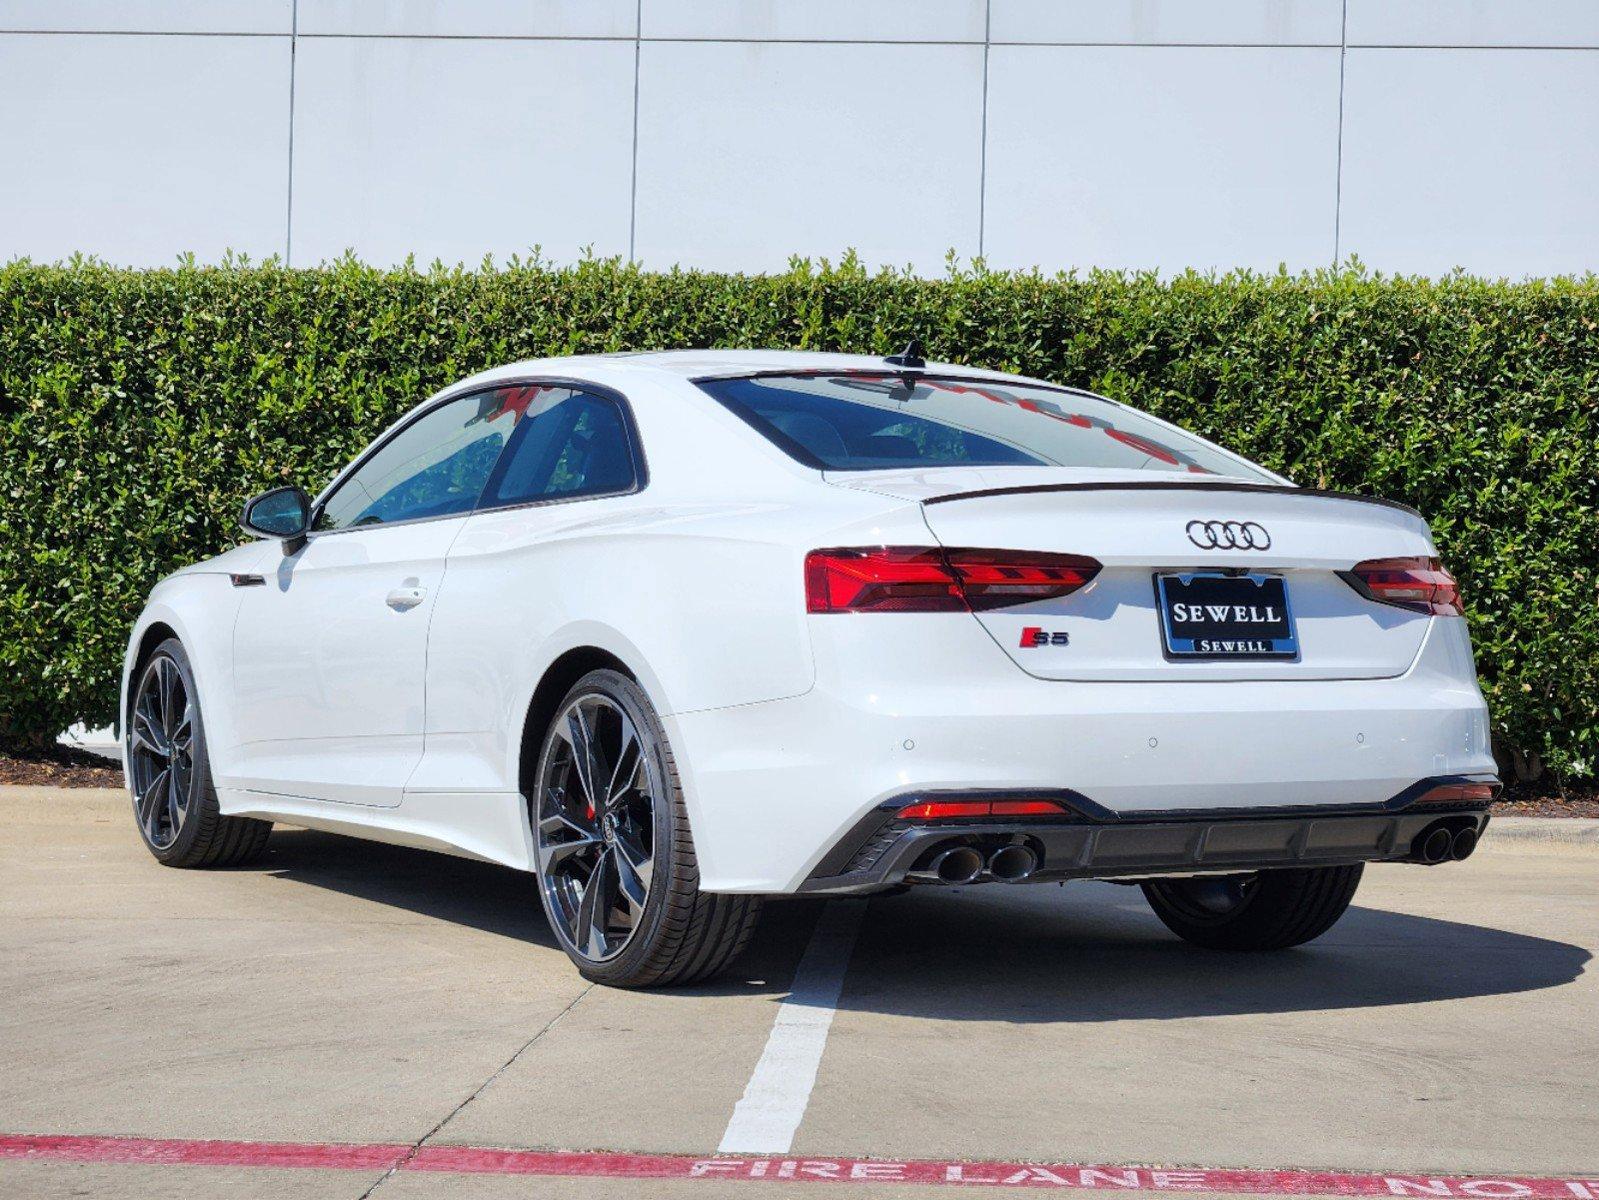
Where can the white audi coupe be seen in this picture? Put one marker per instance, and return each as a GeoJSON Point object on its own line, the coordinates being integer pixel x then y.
{"type": "Point", "coordinates": [677, 631]}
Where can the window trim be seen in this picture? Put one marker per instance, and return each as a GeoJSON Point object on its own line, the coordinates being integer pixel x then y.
{"type": "Point", "coordinates": [635, 450]}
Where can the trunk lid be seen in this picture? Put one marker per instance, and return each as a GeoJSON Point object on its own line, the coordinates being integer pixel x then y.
{"type": "Point", "coordinates": [1138, 528]}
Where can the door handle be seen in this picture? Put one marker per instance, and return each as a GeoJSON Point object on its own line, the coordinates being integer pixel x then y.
{"type": "Point", "coordinates": [403, 598]}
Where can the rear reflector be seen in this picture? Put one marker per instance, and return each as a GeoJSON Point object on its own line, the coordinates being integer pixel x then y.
{"type": "Point", "coordinates": [921, 579]}
{"type": "Point", "coordinates": [939, 810]}
{"type": "Point", "coordinates": [1026, 808]}
{"type": "Point", "coordinates": [1419, 584]}
{"type": "Point", "coordinates": [1455, 793]}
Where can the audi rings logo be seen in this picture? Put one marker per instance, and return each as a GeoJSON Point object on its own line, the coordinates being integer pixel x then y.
{"type": "Point", "coordinates": [1229, 535]}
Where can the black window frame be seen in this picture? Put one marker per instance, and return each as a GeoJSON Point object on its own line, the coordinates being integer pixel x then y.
{"type": "Point", "coordinates": [635, 450]}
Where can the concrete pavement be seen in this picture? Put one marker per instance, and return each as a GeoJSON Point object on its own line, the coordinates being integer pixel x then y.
{"type": "Point", "coordinates": [348, 992]}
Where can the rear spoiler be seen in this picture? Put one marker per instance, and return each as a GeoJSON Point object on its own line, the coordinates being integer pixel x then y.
{"type": "Point", "coordinates": [1175, 485]}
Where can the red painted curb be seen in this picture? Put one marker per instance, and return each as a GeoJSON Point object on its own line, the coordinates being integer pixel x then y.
{"type": "Point", "coordinates": [192, 1153]}
{"type": "Point", "coordinates": [472, 1160]}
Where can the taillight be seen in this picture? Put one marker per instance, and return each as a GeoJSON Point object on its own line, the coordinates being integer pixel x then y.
{"type": "Point", "coordinates": [917, 579]}
{"type": "Point", "coordinates": [943, 810]}
{"type": "Point", "coordinates": [1419, 584]}
{"type": "Point", "coordinates": [1001, 578]}
{"type": "Point", "coordinates": [892, 579]}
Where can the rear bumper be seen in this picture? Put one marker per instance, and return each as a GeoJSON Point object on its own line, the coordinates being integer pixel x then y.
{"type": "Point", "coordinates": [1089, 842]}
{"type": "Point", "coordinates": [930, 703]}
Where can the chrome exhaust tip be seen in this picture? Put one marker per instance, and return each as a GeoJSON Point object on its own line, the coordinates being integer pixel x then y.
{"type": "Point", "coordinates": [1463, 843]}
{"type": "Point", "coordinates": [1012, 864]}
{"type": "Point", "coordinates": [1435, 845]}
{"type": "Point", "coordinates": [958, 864]}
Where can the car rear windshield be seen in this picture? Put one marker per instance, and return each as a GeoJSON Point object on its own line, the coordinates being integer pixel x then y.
{"type": "Point", "coordinates": [856, 422]}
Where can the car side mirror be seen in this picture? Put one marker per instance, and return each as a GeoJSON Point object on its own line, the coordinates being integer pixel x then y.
{"type": "Point", "coordinates": [283, 512]}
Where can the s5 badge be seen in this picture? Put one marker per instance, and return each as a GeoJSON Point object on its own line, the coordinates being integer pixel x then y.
{"type": "Point", "coordinates": [1033, 636]}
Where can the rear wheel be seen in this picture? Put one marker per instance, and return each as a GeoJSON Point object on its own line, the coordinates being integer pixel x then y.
{"type": "Point", "coordinates": [1268, 910]}
{"type": "Point", "coordinates": [169, 772]}
{"type": "Point", "coordinates": [614, 857]}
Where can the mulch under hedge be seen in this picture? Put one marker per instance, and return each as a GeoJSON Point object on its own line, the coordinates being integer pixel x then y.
{"type": "Point", "coordinates": [61, 766]}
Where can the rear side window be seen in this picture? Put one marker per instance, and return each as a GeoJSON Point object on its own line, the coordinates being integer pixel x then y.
{"type": "Point", "coordinates": [874, 422]}
{"type": "Point", "coordinates": [566, 444]}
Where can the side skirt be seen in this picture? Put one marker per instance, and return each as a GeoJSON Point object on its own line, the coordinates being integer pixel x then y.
{"type": "Point", "coordinates": [489, 826]}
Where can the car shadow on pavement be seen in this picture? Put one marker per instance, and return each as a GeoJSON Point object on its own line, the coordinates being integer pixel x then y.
{"type": "Point", "coordinates": [497, 899]}
{"type": "Point", "coordinates": [481, 895]}
{"type": "Point", "coordinates": [1095, 952]}
{"type": "Point", "coordinates": [1087, 952]}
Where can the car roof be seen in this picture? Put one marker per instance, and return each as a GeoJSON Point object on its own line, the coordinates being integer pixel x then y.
{"type": "Point", "coordinates": [712, 364]}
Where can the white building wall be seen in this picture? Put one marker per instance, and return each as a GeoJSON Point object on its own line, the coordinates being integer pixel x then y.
{"type": "Point", "coordinates": [1422, 135]}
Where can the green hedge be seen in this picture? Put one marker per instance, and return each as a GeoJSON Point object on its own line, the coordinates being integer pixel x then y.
{"type": "Point", "coordinates": [137, 409]}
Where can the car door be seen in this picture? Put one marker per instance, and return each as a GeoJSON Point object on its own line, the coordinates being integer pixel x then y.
{"type": "Point", "coordinates": [559, 501]}
{"type": "Point", "coordinates": [330, 644]}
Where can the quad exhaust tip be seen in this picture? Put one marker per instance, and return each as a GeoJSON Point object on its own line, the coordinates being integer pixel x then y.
{"type": "Point", "coordinates": [1444, 842]}
{"type": "Point", "coordinates": [1436, 845]}
{"type": "Point", "coordinates": [958, 864]}
{"type": "Point", "coordinates": [1012, 864]}
{"type": "Point", "coordinates": [965, 864]}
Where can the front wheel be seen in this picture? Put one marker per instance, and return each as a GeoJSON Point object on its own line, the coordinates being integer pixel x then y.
{"type": "Point", "coordinates": [1268, 910]}
{"type": "Point", "coordinates": [613, 854]}
{"type": "Point", "coordinates": [169, 772]}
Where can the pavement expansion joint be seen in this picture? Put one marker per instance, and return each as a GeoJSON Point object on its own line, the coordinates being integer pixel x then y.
{"type": "Point", "coordinates": [416, 1147]}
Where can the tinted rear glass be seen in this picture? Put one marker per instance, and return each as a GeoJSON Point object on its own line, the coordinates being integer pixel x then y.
{"type": "Point", "coordinates": [868, 422]}
{"type": "Point", "coordinates": [567, 444]}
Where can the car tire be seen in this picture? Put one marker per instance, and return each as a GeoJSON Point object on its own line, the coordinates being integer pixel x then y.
{"type": "Point", "coordinates": [624, 829]}
{"type": "Point", "coordinates": [1269, 910]}
{"type": "Point", "coordinates": [169, 772]}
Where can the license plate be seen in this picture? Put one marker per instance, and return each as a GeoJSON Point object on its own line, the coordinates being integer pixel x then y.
{"type": "Point", "coordinates": [1212, 616]}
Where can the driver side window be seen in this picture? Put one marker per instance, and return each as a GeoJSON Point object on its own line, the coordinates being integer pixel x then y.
{"type": "Point", "coordinates": [434, 467]}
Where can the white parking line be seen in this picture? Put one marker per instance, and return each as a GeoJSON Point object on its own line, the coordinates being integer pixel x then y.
{"type": "Point", "coordinates": [774, 1101]}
